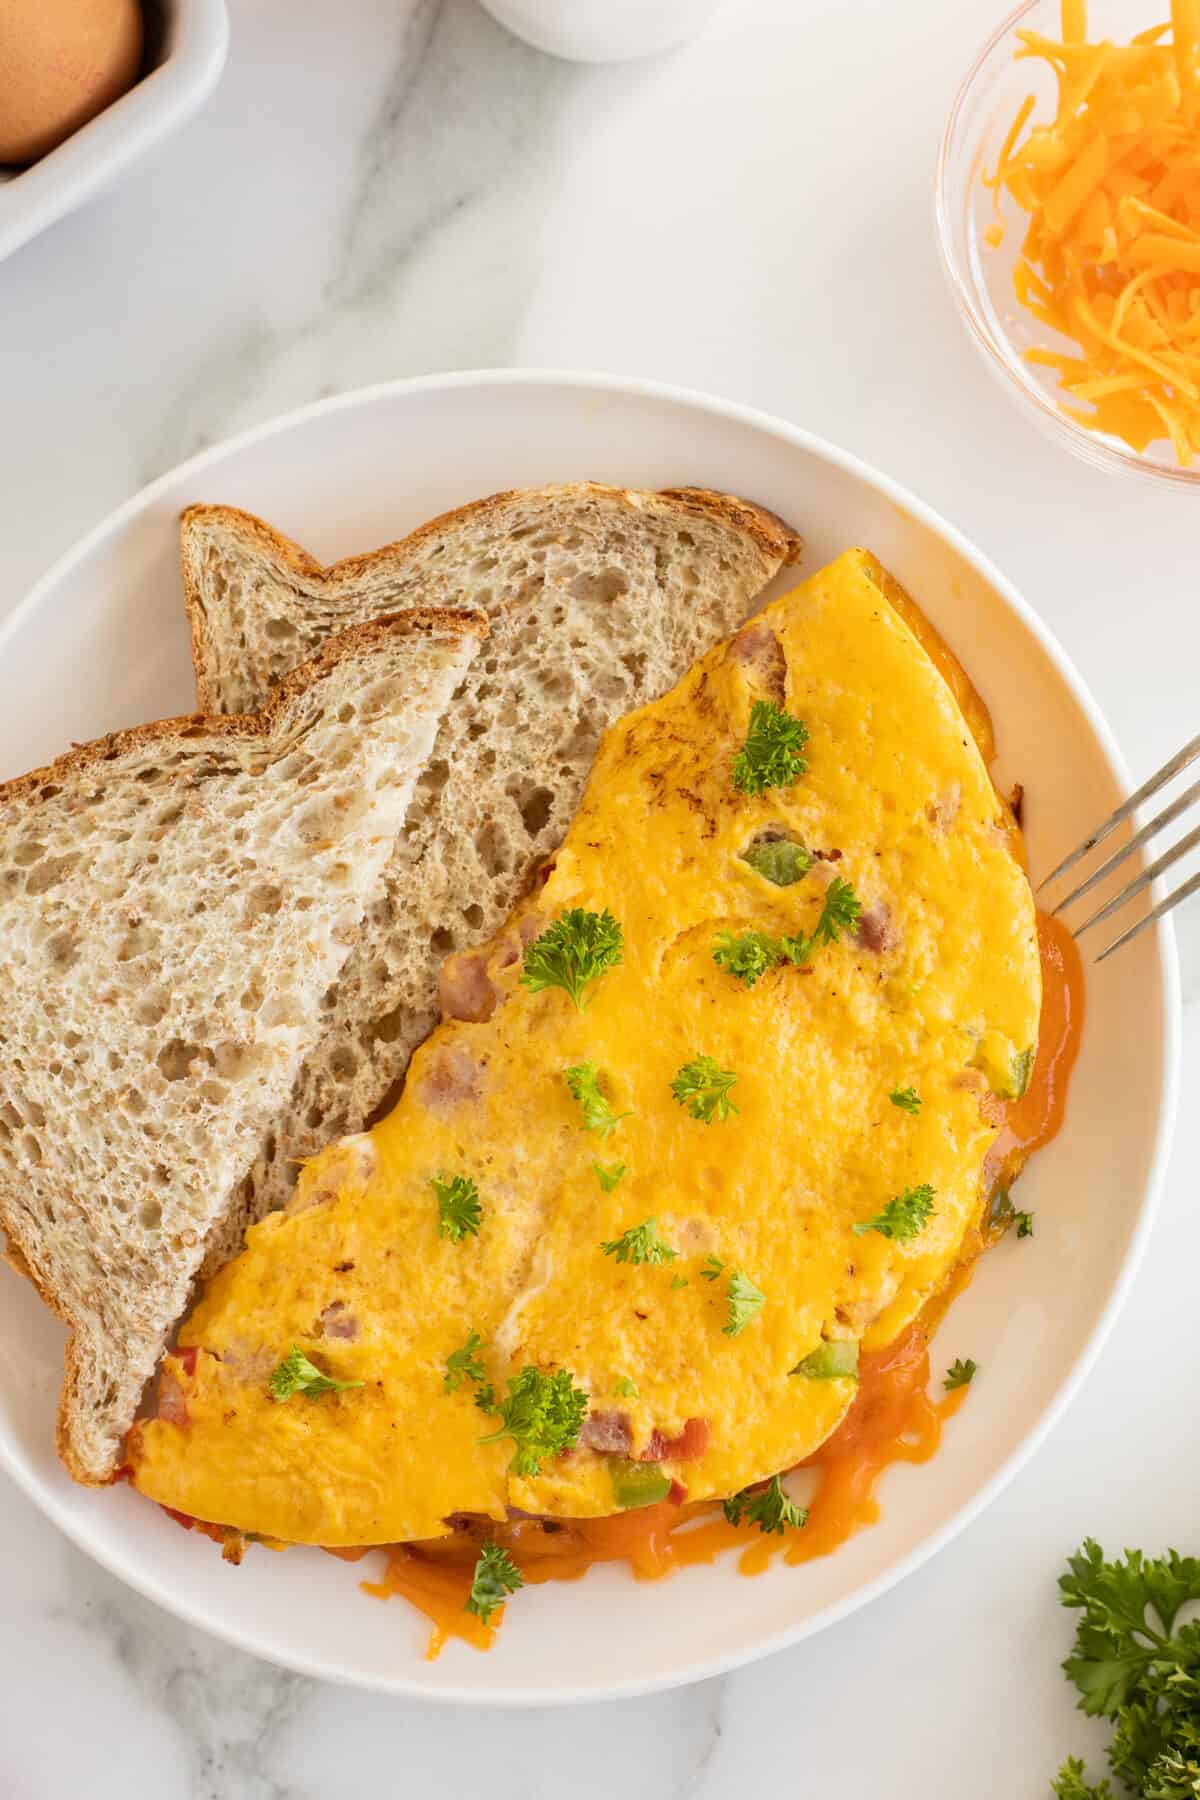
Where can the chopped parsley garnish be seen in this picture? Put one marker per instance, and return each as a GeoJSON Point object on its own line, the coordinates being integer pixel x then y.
{"type": "Point", "coordinates": [781, 861]}
{"type": "Point", "coordinates": [573, 953]}
{"type": "Point", "coordinates": [748, 955]}
{"type": "Point", "coordinates": [297, 1375]}
{"type": "Point", "coordinates": [626, 1388]}
{"type": "Point", "coordinates": [1022, 1069]}
{"type": "Point", "coordinates": [745, 1303]}
{"type": "Point", "coordinates": [583, 1083]}
{"type": "Point", "coordinates": [1001, 1213]}
{"type": "Point", "coordinates": [465, 1364]}
{"type": "Point", "coordinates": [459, 1211]}
{"type": "Point", "coordinates": [678, 1281]}
{"type": "Point", "coordinates": [640, 1244]}
{"type": "Point", "coordinates": [713, 1266]}
{"type": "Point", "coordinates": [485, 1397]}
{"type": "Point", "coordinates": [960, 1374]}
{"type": "Point", "coordinates": [902, 1218]}
{"type": "Point", "coordinates": [702, 1085]}
{"type": "Point", "coordinates": [771, 755]}
{"type": "Point", "coordinates": [907, 1099]}
{"type": "Point", "coordinates": [840, 912]}
{"type": "Point", "coordinates": [542, 1415]}
{"type": "Point", "coordinates": [608, 1174]}
{"type": "Point", "coordinates": [769, 1508]}
{"type": "Point", "coordinates": [496, 1576]}
{"type": "Point", "coordinates": [1135, 1665]}
{"type": "Point", "coordinates": [751, 954]}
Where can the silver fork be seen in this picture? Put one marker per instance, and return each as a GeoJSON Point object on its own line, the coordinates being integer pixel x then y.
{"type": "Point", "coordinates": [1188, 755]}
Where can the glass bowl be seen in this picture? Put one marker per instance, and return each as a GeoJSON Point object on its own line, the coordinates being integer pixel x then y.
{"type": "Point", "coordinates": [981, 277]}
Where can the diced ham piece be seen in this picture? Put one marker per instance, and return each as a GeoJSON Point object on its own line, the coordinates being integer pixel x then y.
{"type": "Point", "coordinates": [336, 1322]}
{"type": "Point", "coordinates": [608, 1432]}
{"type": "Point", "coordinates": [691, 1442]}
{"type": "Point", "coordinates": [757, 649]}
{"type": "Point", "coordinates": [187, 1359]}
{"type": "Point", "coordinates": [172, 1407]}
{"type": "Point", "coordinates": [875, 929]}
{"type": "Point", "coordinates": [449, 1079]}
{"type": "Point", "coordinates": [465, 989]}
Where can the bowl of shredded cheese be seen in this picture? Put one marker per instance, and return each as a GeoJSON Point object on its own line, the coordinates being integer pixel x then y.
{"type": "Point", "coordinates": [1068, 206]}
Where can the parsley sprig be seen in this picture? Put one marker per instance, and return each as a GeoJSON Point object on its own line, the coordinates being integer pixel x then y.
{"type": "Point", "coordinates": [745, 1303]}
{"type": "Point", "coordinates": [1133, 1664]}
{"type": "Point", "coordinates": [748, 955]}
{"type": "Point", "coordinates": [1001, 1213]}
{"type": "Point", "coordinates": [608, 1174]}
{"type": "Point", "coordinates": [771, 755]}
{"type": "Point", "coordinates": [769, 1508]}
{"type": "Point", "coordinates": [907, 1099]}
{"type": "Point", "coordinates": [583, 1084]}
{"type": "Point", "coordinates": [464, 1364]}
{"type": "Point", "coordinates": [459, 1208]}
{"type": "Point", "coordinates": [496, 1576]}
{"type": "Point", "coordinates": [960, 1374]}
{"type": "Point", "coordinates": [542, 1415]}
{"type": "Point", "coordinates": [297, 1375]}
{"type": "Point", "coordinates": [780, 860]}
{"type": "Point", "coordinates": [902, 1218]}
{"type": "Point", "coordinates": [573, 953]}
{"type": "Point", "coordinates": [702, 1085]}
{"type": "Point", "coordinates": [640, 1244]}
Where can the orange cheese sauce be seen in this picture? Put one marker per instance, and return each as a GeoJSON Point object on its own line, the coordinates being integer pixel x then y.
{"type": "Point", "coordinates": [893, 1418]}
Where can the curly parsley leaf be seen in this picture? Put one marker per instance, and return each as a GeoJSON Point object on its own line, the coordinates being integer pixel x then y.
{"type": "Point", "coordinates": [464, 1365]}
{"type": "Point", "coordinates": [745, 1303]}
{"type": "Point", "coordinates": [780, 860]}
{"type": "Point", "coordinates": [640, 1244]}
{"type": "Point", "coordinates": [713, 1266]}
{"type": "Point", "coordinates": [960, 1374]}
{"type": "Point", "coordinates": [583, 1085]}
{"type": "Point", "coordinates": [1135, 1665]}
{"type": "Point", "coordinates": [297, 1375]}
{"type": "Point", "coordinates": [702, 1085]}
{"type": "Point", "coordinates": [768, 1507]}
{"type": "Point", "coordinates": [542, 1414]}
{"type": "Point", "coordinates": [608, 1174]}
{"type": "Point", "coordinates": [1024, 1224]}
{"type": "Point", "coordinates": [627, 1388]}
{"type": "Point", "coordinates": [573, 953]}
{"type": "Point", "coordinates": [771, 755]}
{"type": "Point", "coordinates": [459, 1210]}
{"type": "Point", "coordinates": [748, 955]}
{"type": "Point", "coordinates": [907, 1099]}
{"type": "Point", "coordinates": [496, 1576]}
{"type": "Point", "coordinates": [902, 1218]}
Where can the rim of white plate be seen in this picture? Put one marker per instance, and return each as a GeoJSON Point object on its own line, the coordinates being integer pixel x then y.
{"type": "Point", "coordinates": [1163, 935]}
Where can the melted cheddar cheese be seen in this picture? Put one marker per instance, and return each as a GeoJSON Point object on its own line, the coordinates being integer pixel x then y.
{"type": "Point", "coordinates": [356, 1273]}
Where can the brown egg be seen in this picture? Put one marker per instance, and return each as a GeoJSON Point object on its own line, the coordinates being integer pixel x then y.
{"type": "Point", "coordinates": [62, 62]}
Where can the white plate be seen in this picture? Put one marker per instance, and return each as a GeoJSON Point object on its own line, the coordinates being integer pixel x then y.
{"type": "Point", "coordinates": [100, 643]}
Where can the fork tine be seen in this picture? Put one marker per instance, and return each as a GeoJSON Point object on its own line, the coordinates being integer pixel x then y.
{"type": "Point", "coordinates": [1143, 880]}
{"type": "Point", "coordinates": [1166, 817]}
{"type": "Point", "coordinates": [1160, 911]}
{"type": "Point", "coordinates": [1169, 770]}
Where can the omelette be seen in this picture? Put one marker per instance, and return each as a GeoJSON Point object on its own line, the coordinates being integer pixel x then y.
{"type": "Point", "coordinates": [709, 1114]}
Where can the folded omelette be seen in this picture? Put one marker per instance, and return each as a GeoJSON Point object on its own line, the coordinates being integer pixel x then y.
{"type": "Point", "coordinates": [710, 1112]}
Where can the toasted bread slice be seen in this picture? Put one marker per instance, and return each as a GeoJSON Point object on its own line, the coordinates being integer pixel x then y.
{"type": "Point", "coordinates": [174, 902]}
{"type": "Point", "coordinates": [597, 599]}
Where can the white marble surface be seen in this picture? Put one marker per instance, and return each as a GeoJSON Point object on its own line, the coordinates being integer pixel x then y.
{"type": "Point", "coordinates": [385, 187]}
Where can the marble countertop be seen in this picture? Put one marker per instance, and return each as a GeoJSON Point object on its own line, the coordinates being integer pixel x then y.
{"type": "Point", "coordinates": [388, 187]}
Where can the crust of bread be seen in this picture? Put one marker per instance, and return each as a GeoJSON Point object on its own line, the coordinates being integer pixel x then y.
{"type": "Point", "coordinates": [771, 533]}
{"type": "Point", "coordinates": [417, 621]}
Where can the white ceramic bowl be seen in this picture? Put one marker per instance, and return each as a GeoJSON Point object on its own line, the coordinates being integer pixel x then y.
{"type": "Point", "coordinates": [603, 30]}
{"type": "Point", "coordinates": [194, 39]}
{"type": "Point", "coordinates": [101, 643]}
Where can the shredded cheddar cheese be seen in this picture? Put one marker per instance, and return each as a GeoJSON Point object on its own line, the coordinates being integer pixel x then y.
{"type": "Point", "coordinates": [1111, 256]}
